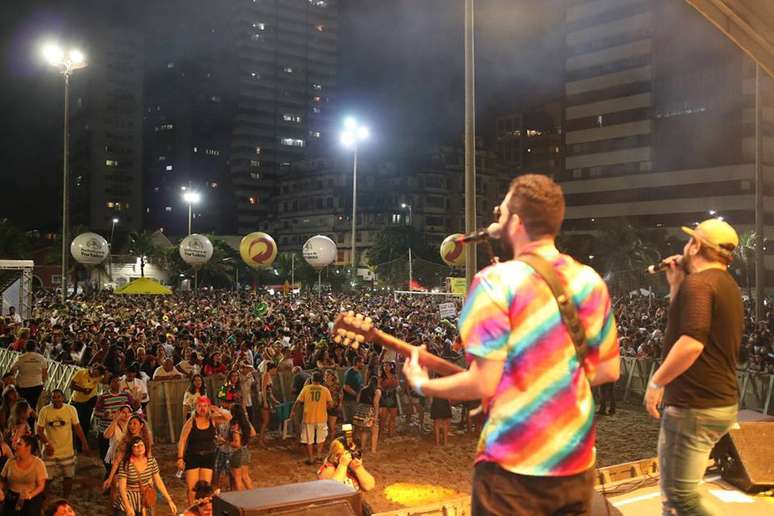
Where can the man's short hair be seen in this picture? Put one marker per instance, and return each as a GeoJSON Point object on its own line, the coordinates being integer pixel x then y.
{"type": "Point", "coordinates": [317, 377]}
{"type": "Point", "coordinates": [539, 202]}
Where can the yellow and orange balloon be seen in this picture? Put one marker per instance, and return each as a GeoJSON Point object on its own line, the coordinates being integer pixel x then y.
{"type": "Point", "coordinates": [453, 253]}
{"type": "Point", "coordinates": [258, 250]}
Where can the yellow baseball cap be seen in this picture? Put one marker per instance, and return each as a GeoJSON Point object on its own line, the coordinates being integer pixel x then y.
{"type": "Point", "coordinates": [715, 233]}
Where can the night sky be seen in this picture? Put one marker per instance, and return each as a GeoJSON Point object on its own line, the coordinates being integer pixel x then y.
{"type": "Point", "coordinates": [401, 69]}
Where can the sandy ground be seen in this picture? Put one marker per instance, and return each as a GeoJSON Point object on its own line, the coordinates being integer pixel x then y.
{"type": "Point", "coordinates": [405, 457]}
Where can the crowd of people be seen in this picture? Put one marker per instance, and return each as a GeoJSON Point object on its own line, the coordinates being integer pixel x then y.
{"type": "Point", "coordinates": [641, 321]}
{"type": "Point", "coordinates": [247, 339]}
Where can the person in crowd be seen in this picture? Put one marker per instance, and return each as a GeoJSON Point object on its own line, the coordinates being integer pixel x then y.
{"type": "Point", "coordinates": [196, 446]}
{"type": "Point", "coordinates": [83, 386]}
{"type": "Point", "coordinates": [167, 371]}
{"type": "Point", "coordinates": [23, 480]}
{"type": "Point", "coordinates": [231, 391]}
{"type": "Point", "coordinates": [215, 366]}
{"type": "Point", "coordinates": [6, 452]}
{"type": "Point", "coordinates": [388, 384]}
{"type": "Point", "coordinates": [353, 382]}
{"type": "Point", "coordinates": [248, 381]}
{"type": "Point", "coordinates": [32, 371]}
{"type": "Point", "coordinates": [202, 504]}
{"type": "Point", "coordinates": [240, 433]}
{"type": "Point", "coordinates": [196, 389]}
{"type": "Point", "coordinates": [60, 507]}
{"type": "Point", "coordinates": [697, 379]}
{"type": "Point", "coordinates": [316, 400]}
{"type": "Point", "coordinates": [341, 467]}
{"type": "Point", "coordinates": [331, 381]}
{"type": "Point", "coordinates": [268, 399]}
{"type": "Point", "coordinates": [57, 425]}
{"type": "Point", "coordinates": [135, 382]}
{"type": "Point", "coordinates": [108, 403]}
{"type": "Point", "coordinates": [135, 427]}
{"type": "Point", "coordinates": [19, 424]}
{"type": "Point", "coordinates": [139, 478]}
{"type": "Point", "coordinates": [116, 433]}
{"type": "Point", "coordinates": [10, 397]}
{"type": "Point", "coordinates": [366, 415]}
{"type": "Point", "coordinates": [440, 413]}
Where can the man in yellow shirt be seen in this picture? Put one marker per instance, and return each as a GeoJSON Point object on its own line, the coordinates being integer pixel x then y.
{"type": "Point", "coordinates": [84, 385]}
{"type": "Point", "coordinates": [316, 399]}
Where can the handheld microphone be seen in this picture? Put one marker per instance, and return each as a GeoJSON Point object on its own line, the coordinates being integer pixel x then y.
{"type": "Point", "coordinates": [492, 231]}
{"type": "Point", "coordinates": [662, 265]}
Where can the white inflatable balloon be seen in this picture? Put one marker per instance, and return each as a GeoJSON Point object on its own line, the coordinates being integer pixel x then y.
{"type": "Point", "coordinates": [89, 249]}
{"type": "Point", "coordinates": [196, 250]}
{"type": "Point", "coordinates": [319, 251]}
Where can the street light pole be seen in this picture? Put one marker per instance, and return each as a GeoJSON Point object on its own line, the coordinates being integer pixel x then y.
{"type": "Point", "coordinates": [191, 198]}
{"type": "Point", "coordinates": [351, 136]}
{"type": "Point", "coordinates": [354, 211]}
{"type": "Point", "coordinates": [66, 64]}
{"type": "Point", "coordinates": [65, 181]}
{"type": "Point", "coordinates": [110, 248]}
{"type": "Point", "coordinates": [189, 218]}
{"type": "Point", "coordinates": [470, 140]}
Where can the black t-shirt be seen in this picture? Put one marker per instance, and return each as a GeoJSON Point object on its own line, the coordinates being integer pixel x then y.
{"type": "Point", "coordinates": [707, 307]}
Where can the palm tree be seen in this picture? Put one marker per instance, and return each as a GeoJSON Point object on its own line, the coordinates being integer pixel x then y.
{"type": "Point", "coordinates": [622, 252]}
{"type": "Point", "coordinates": [142, 246]}
{"type": "Point", "coordinates": [14, 243]}
{"type": "Point", "coordinates": [745, 255]}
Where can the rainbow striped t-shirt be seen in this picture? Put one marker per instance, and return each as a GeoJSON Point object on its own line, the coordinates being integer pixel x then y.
{"type": "Point", "coordinates": [541, 419]}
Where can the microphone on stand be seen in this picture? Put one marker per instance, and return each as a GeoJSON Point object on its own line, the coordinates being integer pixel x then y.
{"type": "Point", "coordinates": [662, 265]}
{"type": "Point", "coordinates": [492, 231]}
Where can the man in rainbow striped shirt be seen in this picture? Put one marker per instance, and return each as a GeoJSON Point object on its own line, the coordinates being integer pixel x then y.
{"type": "Point", "coordinates": [536, 451]}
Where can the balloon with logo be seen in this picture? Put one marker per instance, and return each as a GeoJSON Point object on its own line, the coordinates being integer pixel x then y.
{"type": "Point", "coordinates": [453, 253]}
{"type": "Point", "coordinates": [319, 251]}
{"type": "Point", "coordinates": [258, 250]}
{"type": "Point", "coordinates": [196, 250]}
{"type": "Point", "coordinates": [89, 249]}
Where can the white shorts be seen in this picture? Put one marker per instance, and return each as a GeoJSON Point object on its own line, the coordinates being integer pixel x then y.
{"type": "Point", "coordinates": [314, 433]}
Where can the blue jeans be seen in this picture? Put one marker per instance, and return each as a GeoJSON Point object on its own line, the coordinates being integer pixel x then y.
{"type": "Point", "coordinates": [684, 443]}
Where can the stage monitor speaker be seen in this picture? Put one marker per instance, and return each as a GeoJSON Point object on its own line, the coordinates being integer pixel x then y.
{"type": "Point", "coordinates": [746, 457]}
{"type": "Point", "coordinates": [318, 498]}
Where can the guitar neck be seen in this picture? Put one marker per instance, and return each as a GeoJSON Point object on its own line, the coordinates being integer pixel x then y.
{"type": "Point", "coordinates": [426, 359]}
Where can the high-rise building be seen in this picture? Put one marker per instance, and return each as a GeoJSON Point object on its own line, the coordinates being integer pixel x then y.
{"type": "Point", "coordinates": [106, 133]}
{"type": "Point", "coordinates": [531, 141]}
{"type": "Point", "coordinates": [236, 90]}
{"type": "Point", "coordinates": [659, 119]}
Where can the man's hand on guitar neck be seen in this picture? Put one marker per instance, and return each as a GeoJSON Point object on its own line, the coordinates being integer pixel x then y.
{"type": "Point", "coordinates": [415, 373]}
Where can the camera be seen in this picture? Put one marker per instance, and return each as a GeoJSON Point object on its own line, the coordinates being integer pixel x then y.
{"type": "Point", "coordinates": [349, 442]}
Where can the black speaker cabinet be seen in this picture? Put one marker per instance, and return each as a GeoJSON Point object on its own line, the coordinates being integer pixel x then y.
{"type": "Point", "coordinates": [746, 456]}
{"type": "Point", "coordinates": [318, 498]}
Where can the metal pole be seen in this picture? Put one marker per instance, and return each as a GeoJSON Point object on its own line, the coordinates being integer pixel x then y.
{"type": "Point", "coordinates": [65, 184]}
{"type": "Point", "coordinates": [319, 282]}
{"type": "Point", "coordinates": [292, 271]}
{"type": "Point", "coordinates": [354, 213]}
{"type": "Point", "coordinates": [470, 140]}
{"type": "Point", "coordinates": [110, 250]}
{"type": "Point", "coordinates": [189, 218]}
{"type": "Point", "coordinates": [411, 272]}
{"type": "Point", "coordinates": [760, 266]}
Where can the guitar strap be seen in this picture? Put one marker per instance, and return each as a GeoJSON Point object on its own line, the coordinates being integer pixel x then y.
{"type": "Point", "coordinates": [566, 307]}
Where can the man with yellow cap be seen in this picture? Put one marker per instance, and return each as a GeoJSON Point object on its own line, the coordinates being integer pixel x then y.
{"type": "Point", "coordinates": [697, 379]}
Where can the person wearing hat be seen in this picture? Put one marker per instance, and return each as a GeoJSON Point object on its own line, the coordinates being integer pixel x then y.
{"type": "Point", "coordinates": [696, 381]}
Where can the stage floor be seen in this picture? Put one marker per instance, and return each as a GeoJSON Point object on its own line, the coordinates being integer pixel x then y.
{"type": "Point", "coordinates": [647, 500]}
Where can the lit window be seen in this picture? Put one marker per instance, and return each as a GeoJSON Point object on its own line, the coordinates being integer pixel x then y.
{"type": "Point", "coordinates": [169, 168]}
{"type": "Point", "coordinates": [255, 75]}
{"type": "Point", "coordinates": [196, 149]}
{"type": "Point", "coordinates": [252, 200]}
{"type": "Point", "coordinates": [111, 163]}
{"type": "Point", "coordinates": [287, 117]}
{"type": "Point", "coordinates": [316, 99]}
{"type": "Point", "coordinates": [109, 205]}
{"type": "Point", "coordinates": [320, 28]}
{"type": "Point", "coordinates": [258, 150]}
{"type": "Point", "coordinates": [318, 3]}
{"type": "Point", "coordinates": [292, 142]}
{"type": "Point", "coordinates": [259, 26]}
{"type": "Point", "coordinates": [168, 208]}
{"type": "Point", "coordinates": [213, 185]}
{"type": "Point", "coordinates": [167, 127]}
{"type": "Point", "coordinates": [288, 69]}
{"type": "Point", "coordinates": [317, 86]}
{"type": "Point", "coordinates": [255, 163]}
{"type": "Point", "coordinates": [256, 36]}
{"type": "Point", "coordinates": [215, 98]}
{"type": "Point", "coordinates": [212, 152]}
{"type": "Point", "coordinates": [314, 134]}
{"type": "Point", "coordinates": [315, 109]}
{"type": "Point", "coordinates": [170, 65]}
{"type": "Point", "coordinates": [162, 158]}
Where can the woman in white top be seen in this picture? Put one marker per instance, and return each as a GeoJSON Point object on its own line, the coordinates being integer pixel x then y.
{"type": "Point", "coordinates": [116, 432]}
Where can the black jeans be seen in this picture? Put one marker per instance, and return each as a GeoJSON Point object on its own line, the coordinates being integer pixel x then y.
{"type": "Point", "coordinates": [499, 492]}
{"type": "Point", "coordinates": [31, 507]}
{"type": "Point", "coordinates": [84, 410]}
{"type": "Point", "coordinates": [32, 395]}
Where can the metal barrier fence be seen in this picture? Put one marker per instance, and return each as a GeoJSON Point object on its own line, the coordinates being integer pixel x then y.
{"type": "Point", "coordinates": [165, 409]}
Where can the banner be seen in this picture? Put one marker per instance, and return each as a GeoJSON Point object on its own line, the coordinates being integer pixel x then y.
{"type": "Point", "coordinates": [457, 286]}
{"type": "Point", "coordinates": [447, 310]}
